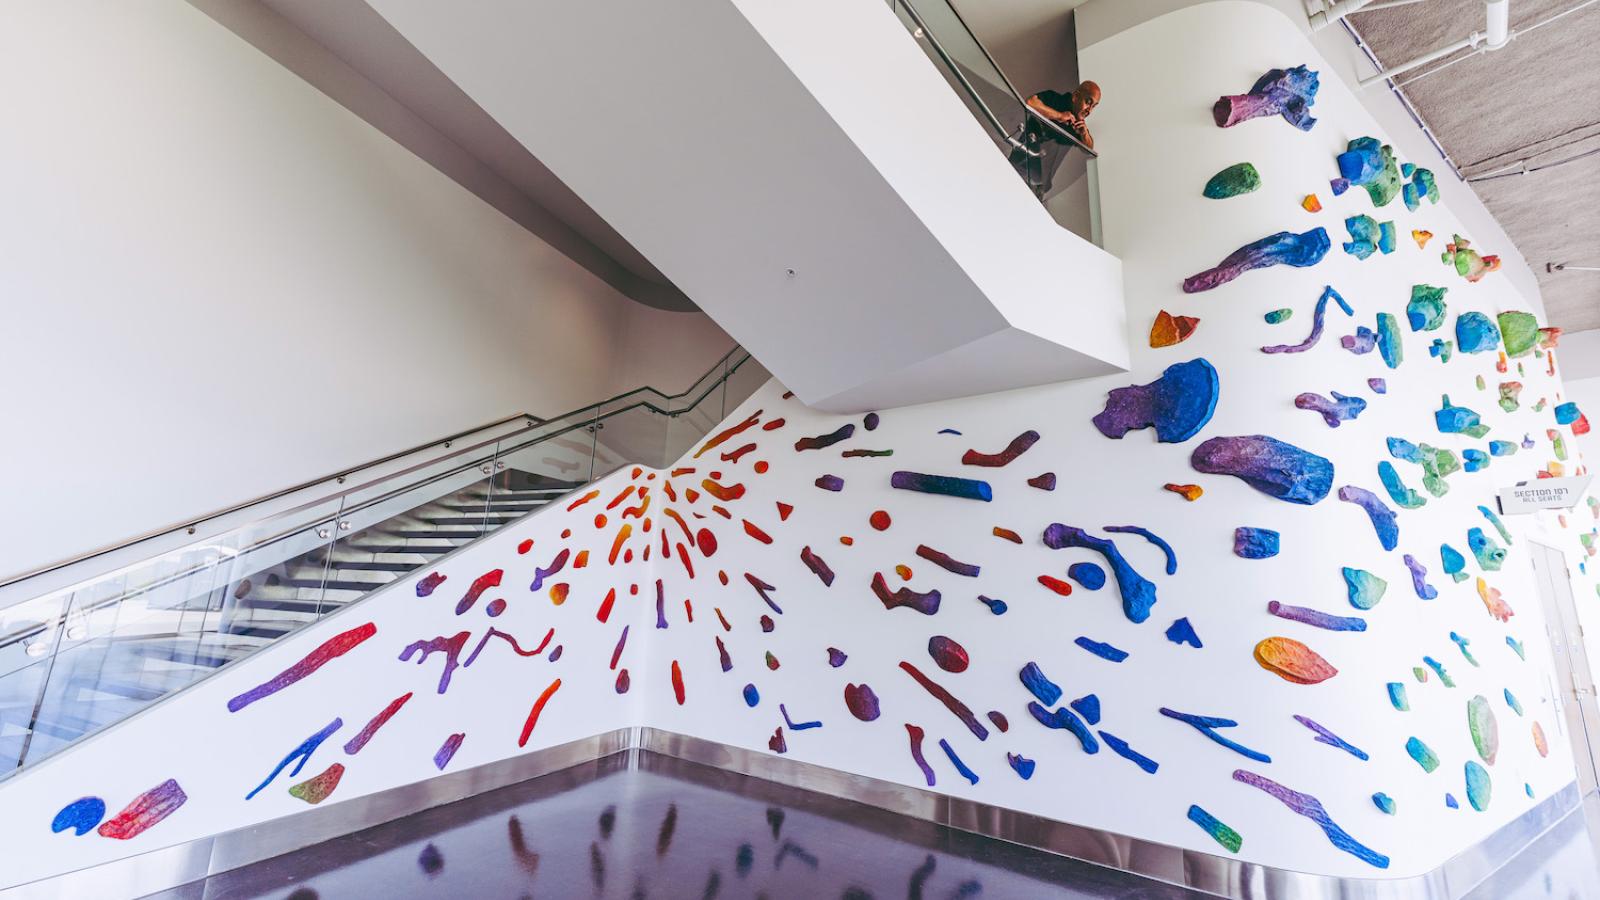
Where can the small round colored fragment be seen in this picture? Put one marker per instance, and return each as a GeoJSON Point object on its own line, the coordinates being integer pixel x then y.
{"type": "Point", "coordinates": [566, 533]}
{"type": "Point", "coordinates": [847, 540]}
{"type": "Point", "coordinates": [1293, 661]}
{"type": "Point", "coordinates": [947, 654]}
{"type": "Point", "coordinates": [558, 593]}
{"type": "Point", "coordinates": [1311, 203]}
{"type": "Point", "coordinates": [1383, 802]}
{"type": "Point", "coordinates": [880, 519]}
{"type": "Point", "coordinates": [836, 657]}
{"type": "Point", "coordinates": [904, 572]}
{"type": "Point", "coordinates": [525, 546]}
{"type": "Point", "coordinates": [1278, 316]}
{"type": "Point", "coordinates": [861, 701]}
{"type": "Point", "coordinates": [495, 607]}
{"type": "Point", "coordinates": [1539, 742]}
{"type": "Point", "coordinates": [772, 661]}
{"type": "Point", "coordinates": [751, 695]}
{"type": "Point", "coordinates": [623, 682]}
{"type": "Point", "coordinates": [706, 541]}
{"type": "Point", "coordinates": [1088, 574]}
{"type": "Point", "coordinates": [761, 467]}
{"type": "Point", "coordinates": [870, 421]}
{"type": "Point", "coordinates": [600, 520]}
{"type": "Point", "coordinates": [767, 625]}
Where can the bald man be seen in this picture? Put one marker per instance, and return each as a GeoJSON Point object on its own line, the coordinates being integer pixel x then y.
{"type": "Point", "coordinates": [1068, 112]}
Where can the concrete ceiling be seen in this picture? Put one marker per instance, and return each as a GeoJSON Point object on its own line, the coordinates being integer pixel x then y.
{"type": "Point", "coordinates": [1536, 100]}
{"type": "Point", "coordinates": [349, 52]}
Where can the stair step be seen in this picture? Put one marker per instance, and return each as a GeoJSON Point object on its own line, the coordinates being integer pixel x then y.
{"type": "Point", "coordinates": [475, 518]}
{"type": "Point", "coordinates": [132, 690]}
{"type": "Point", "coordinates": [407, 549]}
{"type": "Point", "coordinates": [376, 565]}
{"type": "Point", "coordinates": [334, 584]}
{"type": "Point", "coordinates": [191, 656]}
{"type": "Point", "coordinates": [438, 534]}
{"type": "Point", "coordinates": [309, 607]}
{"type": "Point", "coordinates": [260, 631]}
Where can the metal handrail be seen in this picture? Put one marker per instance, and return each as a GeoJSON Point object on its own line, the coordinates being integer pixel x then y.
{"type": "Point", "coordinates": [190, 525]}
{"type": "Point", "coordinates": [972, 93]}
{"type": "Point", "coordinates": [583, 417]}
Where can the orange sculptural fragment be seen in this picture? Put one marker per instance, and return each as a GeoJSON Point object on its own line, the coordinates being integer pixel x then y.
{"type": "Point", "coordinates": [1311, 203]}
{"type": "Point", "coordinates": [1189, 492]}
{"type": "Point", "coordinates": [1293, 661]}
{"type": "Point", "coordinates": [1492, 602]}
{"type": "Point", "coordinates": [1169, 329]}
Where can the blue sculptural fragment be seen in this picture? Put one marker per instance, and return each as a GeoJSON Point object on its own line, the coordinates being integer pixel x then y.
{"type": "Point", "coordinates": [1285, 247]}
{"type": "Point", "coordinates": [1273, 467]}
{"type": "Point", "coordinates": [1255, 543]}
{"type": "Point", "coordinates": [1138, 593]}
{"type": "Point", "coordinates": [1177, 405]}
{"type": "Point", "coordinates": [1426, 310]}
{"type": "Point", "coordinates": [1280, 92]}
{"type": "Point", "coordinates": [1452, 419]}
{"type": "Point", "coordinates": [1383, 518]}
{"type": "Point", "coordinates": [1476, 333]}
{"type": "Point", "coordinates": [1403, 497]}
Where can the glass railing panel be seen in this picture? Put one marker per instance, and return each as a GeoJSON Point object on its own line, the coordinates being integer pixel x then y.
{"type": "Point", "coordinates": [631, 432]}
{"type": "Point", "coordinates": [130, 639]}
{"type": "Point", "coordinates": [1052, 162]}
{"type": "Point", "coordinates": [79, 659]}
{"type": "Point", "coordinates": [532, 471]}
{"type": "Point", "coordinates": [695, 413]}
{"type": "Point", "coordinates": [28, 635]}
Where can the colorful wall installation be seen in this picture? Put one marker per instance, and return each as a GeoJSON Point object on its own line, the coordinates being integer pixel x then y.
{"type": "Point", "coordinates": [1158, 604]}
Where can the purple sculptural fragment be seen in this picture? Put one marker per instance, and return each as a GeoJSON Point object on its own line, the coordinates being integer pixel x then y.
{"type": "Point", "coordinates": [1138, 594]}
{"type": "Point", "coordinates": [1280, 92]}
{"type": "Point", "coordinates": [1339, 409]}
{"type": "Point", "coordinates": [1271, 466]}
{"type": "Point", "coordinates": [1177, 405]}
{"type": "Point", "coordinates": [1383, 518]}
{"type": "Point", "coordinates": [1285, 247]}
{"type": "Point", "coordinates": [1319, 318]}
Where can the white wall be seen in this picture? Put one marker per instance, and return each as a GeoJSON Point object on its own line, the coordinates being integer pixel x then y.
{"type": "Point", "coordinates": [219, 282]}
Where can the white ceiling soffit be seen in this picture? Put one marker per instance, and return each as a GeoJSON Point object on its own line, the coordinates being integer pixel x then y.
{"type": "Point", "coordinates": [1536, 102]}
{"type": "Point", "coordinates": [805, 173]}
{"type": "Point", "coordinates": [350, 53]}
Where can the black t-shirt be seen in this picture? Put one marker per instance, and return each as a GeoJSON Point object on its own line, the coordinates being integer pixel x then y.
{"type": "Point", "coordinates": [1060, 102]}
{"type": "Point", "coordinates": [1056, 100]}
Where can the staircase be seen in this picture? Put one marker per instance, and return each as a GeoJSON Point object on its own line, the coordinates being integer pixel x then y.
{"type": "Point", "coordinates": [75, 661]}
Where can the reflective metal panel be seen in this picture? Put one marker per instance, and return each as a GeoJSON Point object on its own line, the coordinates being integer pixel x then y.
{"type": "Point", "coordinates": [581, 761]}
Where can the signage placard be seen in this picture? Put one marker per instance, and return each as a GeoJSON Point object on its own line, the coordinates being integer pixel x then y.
{"type": "Point", "coordinates": [1543, 493]}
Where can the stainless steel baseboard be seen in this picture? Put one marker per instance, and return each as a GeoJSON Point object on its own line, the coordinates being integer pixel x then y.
{"type": "Point", "coordinates": [171, 867]}
{"type": "Point", "coordinates": [1223, 876]}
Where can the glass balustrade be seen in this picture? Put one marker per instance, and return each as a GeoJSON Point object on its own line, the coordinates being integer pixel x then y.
{"type": "Point", "coordinates": [78, 659]}
{"type": "Point", "coordinates": [1056, 166]}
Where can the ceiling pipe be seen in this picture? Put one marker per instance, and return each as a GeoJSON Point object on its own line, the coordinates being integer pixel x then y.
{"type": "Point", "coordinates": [1342, 8]}
{"type": "Point", "coordinates": [1496, 34]}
